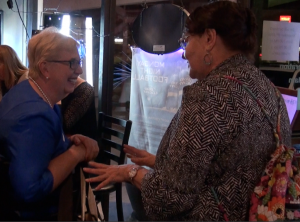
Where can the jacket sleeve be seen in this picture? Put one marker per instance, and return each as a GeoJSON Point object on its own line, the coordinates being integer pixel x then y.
{"type": "Point", "coordinates": [32, 143]}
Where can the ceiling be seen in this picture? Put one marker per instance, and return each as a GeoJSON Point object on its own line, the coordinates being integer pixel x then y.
{"type": "Point", "coordinates": [74, 5]}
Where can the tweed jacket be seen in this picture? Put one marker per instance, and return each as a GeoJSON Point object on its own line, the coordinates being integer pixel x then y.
{"type": "Point", "coordinates": [219, 137]}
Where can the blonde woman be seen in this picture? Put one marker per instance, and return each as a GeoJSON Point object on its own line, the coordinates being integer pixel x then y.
{"type": "Point", "coordinates": [32, 140]}
{"type": "Point", "coordinates": [12, 71]}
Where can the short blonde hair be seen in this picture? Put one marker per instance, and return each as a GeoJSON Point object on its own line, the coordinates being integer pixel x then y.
{"type": "Point", "coordinates": [13, 67]}
{"type": "Point", "coordinates": [46, 46]}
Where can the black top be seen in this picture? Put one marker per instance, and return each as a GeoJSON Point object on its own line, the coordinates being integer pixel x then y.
{"type": "Point", "coordinates": [79, 113]}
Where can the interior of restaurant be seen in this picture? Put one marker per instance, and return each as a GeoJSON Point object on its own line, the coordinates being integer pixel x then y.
{"type": "Point", "coordinates": [109, 32]}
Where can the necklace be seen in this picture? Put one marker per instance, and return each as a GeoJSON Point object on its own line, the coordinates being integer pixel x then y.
{"type": "Point", "coordinates": [35, 83]}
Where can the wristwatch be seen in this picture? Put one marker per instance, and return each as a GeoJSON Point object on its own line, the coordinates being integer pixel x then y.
{"type": "Point", "coordinates": [132, 173]}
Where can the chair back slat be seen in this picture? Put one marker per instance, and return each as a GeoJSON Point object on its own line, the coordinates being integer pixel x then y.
{"type": "Point", "coordinates": [115, 120]}
{"type": "Point", "coordinates": [111, 156]}
{"type": "Point", "coordinates": [113, 144]}
{"type": "Point", "coordinates": [114, 133]}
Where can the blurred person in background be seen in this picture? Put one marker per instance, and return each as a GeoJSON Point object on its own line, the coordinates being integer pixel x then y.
{"type": "Point", "coordinates": [12, 71]}
{"type": "Point", "coordinates": [79, 112]}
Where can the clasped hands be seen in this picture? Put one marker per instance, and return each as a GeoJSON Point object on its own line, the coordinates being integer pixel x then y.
{"type": "Point", "coordinates": [85, 148]}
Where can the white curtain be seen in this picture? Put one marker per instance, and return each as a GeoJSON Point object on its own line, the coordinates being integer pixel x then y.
{"type": "Point", "coordinates": [156, 89]}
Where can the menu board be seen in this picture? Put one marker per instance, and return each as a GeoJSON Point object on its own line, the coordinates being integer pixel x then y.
{"type": "Point", "coordinates": [156, 90]}
{"type": "Point", "coordinates": [280, 41]}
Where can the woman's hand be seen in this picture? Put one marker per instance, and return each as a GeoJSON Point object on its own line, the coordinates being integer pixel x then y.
{"type": "Point", "coordinates": [140, 157]}
{"type": "Point", "coordinates": [107, 174]}
{"type": "Point", "coordinates": [90, 146]}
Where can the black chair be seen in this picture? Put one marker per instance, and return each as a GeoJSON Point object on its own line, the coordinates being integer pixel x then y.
{"type": "Point", "coordinates": [7, 205]}
{"type": "Point", "coordinates": [114, 133]}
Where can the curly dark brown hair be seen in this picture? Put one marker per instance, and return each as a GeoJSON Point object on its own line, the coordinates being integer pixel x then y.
{"type": "Point", "coordinates": [235, 24]}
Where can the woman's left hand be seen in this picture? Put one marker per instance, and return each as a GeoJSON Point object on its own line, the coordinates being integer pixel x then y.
{"type": "Point", "coordinates": [107, 174]}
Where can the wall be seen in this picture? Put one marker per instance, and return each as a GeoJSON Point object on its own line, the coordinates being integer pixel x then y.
{"type": "Point", "coordinates": [14, 33]}
{"type": "Point", "coordinates": [272, 3]}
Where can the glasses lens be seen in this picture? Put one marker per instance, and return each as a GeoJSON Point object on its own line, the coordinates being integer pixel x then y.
{"type": "Point", "coordinates": [75, 63]}
{"type": "Point", "coordinates": [183, 41]}
{"type": "Point", "coordinates": [183, 45]}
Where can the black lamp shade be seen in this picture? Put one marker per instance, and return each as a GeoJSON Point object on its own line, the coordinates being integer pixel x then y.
{"type": "Point", "coordinates": [158, 28]}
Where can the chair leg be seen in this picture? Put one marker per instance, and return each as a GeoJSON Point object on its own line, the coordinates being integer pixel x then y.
{"type": "Point", "coordinates": [119, 202]}
{"type": "Point", "coordinates": [105, 205]}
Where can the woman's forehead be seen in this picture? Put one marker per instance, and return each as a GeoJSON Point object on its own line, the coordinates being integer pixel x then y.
{"type": "Point", "coordinates": [68, 53]}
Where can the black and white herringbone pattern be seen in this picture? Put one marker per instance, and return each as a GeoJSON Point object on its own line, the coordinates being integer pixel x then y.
{"type": "Point", "coordinates": [219, 136]}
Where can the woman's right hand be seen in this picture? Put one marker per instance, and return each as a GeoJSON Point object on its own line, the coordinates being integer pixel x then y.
{"type": "Point", "coordinates": [139, 157]}
{"type": "Point", "coordinates": [87, 144]}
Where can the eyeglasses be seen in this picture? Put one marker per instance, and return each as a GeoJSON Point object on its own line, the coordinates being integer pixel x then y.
{"type": "Point", "coordinates": [183, 41]}
{"type": "Point", "coordinates": [74, 64]}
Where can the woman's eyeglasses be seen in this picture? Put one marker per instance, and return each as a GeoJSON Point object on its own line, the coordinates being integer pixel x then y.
{"type": "Point", "coordinates": [183, 41]}
{"type": "Point", "coordinates": [74, 64]}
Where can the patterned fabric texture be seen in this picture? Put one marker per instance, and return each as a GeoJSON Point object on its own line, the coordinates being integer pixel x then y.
{"type": "Point", "coordinates": [219, 137]}
{"type": "Point", "coordinates": [277, 196]}
{"type": "Point", "coordinates": [79, 113]}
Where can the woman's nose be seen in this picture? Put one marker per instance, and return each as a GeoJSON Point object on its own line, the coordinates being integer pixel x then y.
{"type": "Point", "coordinates": [79, 70]}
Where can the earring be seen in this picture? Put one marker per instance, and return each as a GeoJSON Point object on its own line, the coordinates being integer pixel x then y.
{"type": "Point", "coordinates": [47, 77]}
{"type": "Point", "coordinates": [208, 59]}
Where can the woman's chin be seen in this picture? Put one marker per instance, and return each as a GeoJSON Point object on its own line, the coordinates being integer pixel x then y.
{"type": "Point", "coordinates": [69, 90]}
{"type": "Point", "coordinates": [193, 74]}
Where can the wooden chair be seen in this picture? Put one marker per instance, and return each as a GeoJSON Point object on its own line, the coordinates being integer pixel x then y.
{"type": "Point", "coordinates": [114, 133]}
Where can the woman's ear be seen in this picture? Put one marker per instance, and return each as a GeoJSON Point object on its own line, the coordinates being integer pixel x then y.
{"type": "Point", "coordinates": [211, 36]}
{"type": "Point", "coordinates": [43, 67]}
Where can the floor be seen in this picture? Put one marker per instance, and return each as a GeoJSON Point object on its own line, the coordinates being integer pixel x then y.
{"type": "Point", "coordinates": [127, 209]}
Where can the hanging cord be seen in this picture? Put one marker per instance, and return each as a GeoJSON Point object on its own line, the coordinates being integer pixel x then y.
{"type": "Point", "coordinates": [144, 4]}
{"type": "Point", "coordinates": [182, 4]}
{"type": "Point", "coordinates": [53, 9]}
{"type": "Point", "coordinates": [276, 129]}
{"type": "Point", "coordinates": [22, 19]}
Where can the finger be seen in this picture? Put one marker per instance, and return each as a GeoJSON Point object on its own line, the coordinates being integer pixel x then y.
{"type": "Point", "coordinates": [129, 156]}
{"type": "Point", "coordinates": [134, 152]}
{"type": "Point", "coordinates": [95, 179]}
{"type": "Point", "coordinates": [75, 140]}
{"type": "Point", "coordinates": [96, 175]}
{"type": "Point", "coordinates": [80, 136]}
{"type": "Point", "coordinates": [97, 165]}
{"type": "Point", "coordinates": [103, 184]}
{"type": "Point", "coordinates": [130, 149]}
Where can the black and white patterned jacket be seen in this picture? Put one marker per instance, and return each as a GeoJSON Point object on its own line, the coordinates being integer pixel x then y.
{"type": "Point", "coordinates": [219, 137]}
